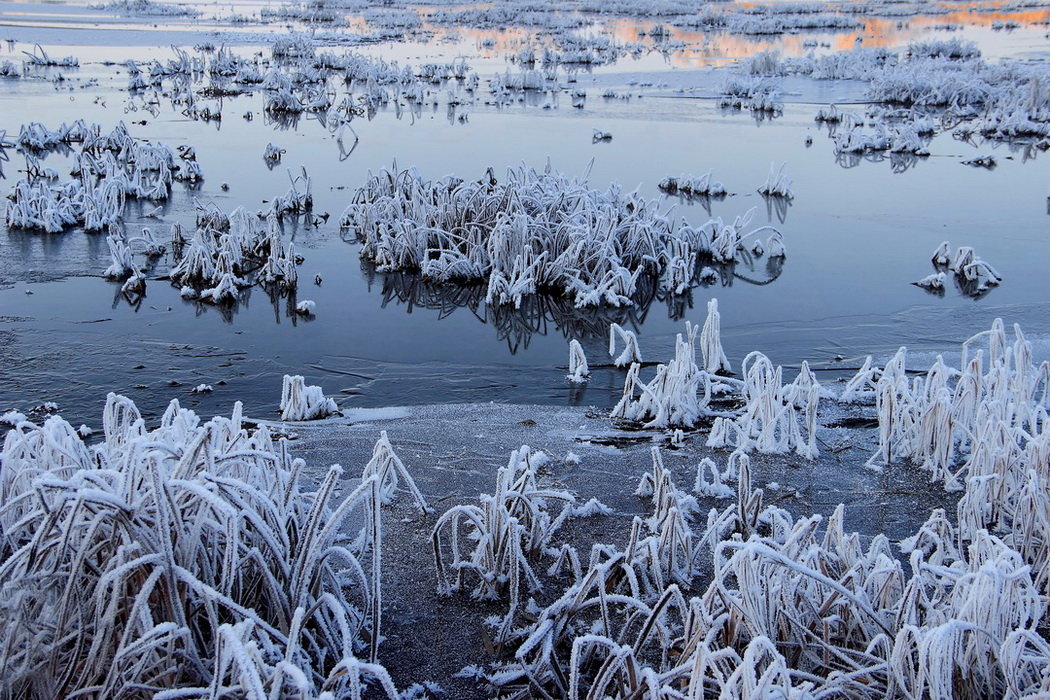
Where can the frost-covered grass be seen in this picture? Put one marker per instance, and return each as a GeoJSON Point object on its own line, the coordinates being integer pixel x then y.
{"type": "Point", "coordinates": [1005, 99]}
{"type": "Point", "coordinates": [777, 184]}
{"type": "Point", "coordinates": [146, 8]}
{"type": "Point", "coordinates": [186, 560]}
{"type": "Point", "coordinates": [508, 533]}
{"type": "Point", "coordinates": [535, 232]}
{"type": "Point", "coordinates": [228, 252]}
{"type": "Point", "coordinates": [157, 556]}
{"type": "Point", "coordinates": [300, 401]}
{"type": "Point", "coordinates": [693, 186]}
{"type": "Point", "coordinates": [681, 391]}
{"type": "Point", "coordinates": [973, 276]}
{"type": "Point", "coordinates": [798, 606]}
{"type": "Point", "coordinates": [38, 57]}
{"type": "Point", "coordinates": [108, 169]}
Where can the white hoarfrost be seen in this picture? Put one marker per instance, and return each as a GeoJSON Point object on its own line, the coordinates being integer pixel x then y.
{"type": "Point", "coordinates": [300, 401]}
{"type": "Point", "coordinates": [631, 352]}
{"type": "Point", "coordinates": [715, 360]}
{"type": "Point", "coordinates": [777, 184]}
{"type": "Point", "coordinates": [180, 559]}
{"type": "Point", "coordinates": [536, 232]}
{"type": "Point", "coordinates": [579, 372]}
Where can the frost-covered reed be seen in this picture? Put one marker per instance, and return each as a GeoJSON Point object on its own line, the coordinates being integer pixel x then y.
{"type": "Point", "coordinates": [631, 353]}
{"type": "Point", "coordinates": [186, 560]}
{"type": "Point", "coordinates": [38, 57]}
{"type": "Point", "coordinates": [579, 372]}
{"type": "Point", "coordinates": [756, 94]}
{"type": "Point", "coordinates": [777, 418]}
{"type": "Point", "coordinates": [109, 169]}
{"type": "Point", "coordinates": [1004, 100]}
{"type": "Point", "coordinates": [301, 401]}
{"type": "Point", "coordinates": [535, 232]}
{"type": "Point", "coordinates": [777, 184]}
{"type": "Point", "coordinates": [973, 275]}
{"type": "Point", "coordinates": [228, 252]}
{"type": "Point", "coordinates": [673, 397]}
{"type": "Point", "coordinates": [981, 429]}
{"type": "Point", "coordinates": [793, 607]}
{"type": "Point", "coordinates": [507, 534]}
{"type": "Point", "coordinates": [692, 186]}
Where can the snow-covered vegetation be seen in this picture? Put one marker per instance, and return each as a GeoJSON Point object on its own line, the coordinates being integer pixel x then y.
{"type": "Point", "coordinates": [183, 559]}
{"type": "Point", "coordinates": [963, 618]}
{"type": "Point", "coordinates": [535, 232]}
{"type": "Point", "coordinates": [301, 401]}
{"type": "Point", "coordinates": [973, 276]}
{"type": "Point", "coordinates": [693, 186]}
{"type": "Point", "coordinates": [172, 557]}
{"type": "Point", "coordinates": [108, 169]}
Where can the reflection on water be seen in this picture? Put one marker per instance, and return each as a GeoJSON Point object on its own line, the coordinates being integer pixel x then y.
{"type": "Point", "coordinates": [540, 314]}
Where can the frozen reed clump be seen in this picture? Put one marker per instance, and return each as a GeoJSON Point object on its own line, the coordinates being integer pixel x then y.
{"type": "Point", "coordinates": [1003, 100]}
{"type": "Point", "coordinates": [777, 184]}
{"type": "Point", "coordinates": [753, 93]}
{"type": "Point", "coordinates": [228, 252]}
{"type": "Point", "coordinates": [692, 186]}
{"type": "Point", "coordinates": [672, 398]}
{"type": "Point", "coordinates": [631, 353]}
{"type": "Point", "coordinates": [955, 48]}
{"type": "Point", "coordinates": [981, 429]}
{"type": "Point", "coordinates": [298, 199]}
{"type": "Point", "coordinates": [681, 391]}
{"type": "Point", "coordinates": [717, 486]}
{"type": "Point", "coordinates": [579, 372]}
{"type": "Point", "coordinates": [972, 274]}
{"type": "Point", "coordinates": [146, 8]}
{"type": "Point", "coordinates": [180, 559]}
{"type": "Point", "coordinates": [506, 534]}
{"type": "Point", "coordinates": [777, 418]}
{"type": "Point", "coordinates": [273, 154]}
{"type": "Point", "coordinates": [715, 360]}
{"type": "Point", "coordinates": [108, 169]}
{"type": "Point", "coordinates": [300, 401]}
{"type": "Point", "coordinates": [535, 233]}
{"type": "Point", "coordinates": [885, 137]}
{"type": "Point", "coordinates": [957, 622]}
{"type": "Point", "coordinates": [38, 57]}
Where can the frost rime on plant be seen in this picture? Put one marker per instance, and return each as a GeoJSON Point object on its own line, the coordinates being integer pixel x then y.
{"type": "Point", "coordinates": [302, 402]}
{"type": "Point", "coordinates": [178, 560]}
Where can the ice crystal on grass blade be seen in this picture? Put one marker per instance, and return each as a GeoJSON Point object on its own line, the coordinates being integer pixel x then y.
{"type": "Point", "coordinates": [176, 561]}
